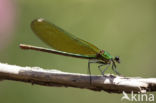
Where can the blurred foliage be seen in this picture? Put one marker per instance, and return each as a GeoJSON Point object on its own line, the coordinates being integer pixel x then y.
{"type": "Point", "coordinates": [124, 28]}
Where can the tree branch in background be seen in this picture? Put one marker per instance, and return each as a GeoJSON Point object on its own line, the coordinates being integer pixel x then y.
{"type": "Point", "coordinates": [109, 83]}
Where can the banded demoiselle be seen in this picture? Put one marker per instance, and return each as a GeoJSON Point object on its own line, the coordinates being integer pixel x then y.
{"type": "Point", "coordinates": [64, 43]}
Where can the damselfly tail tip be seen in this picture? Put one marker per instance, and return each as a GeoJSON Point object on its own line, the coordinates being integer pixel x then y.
{"type": "Point", "coordinates": [24, 46]}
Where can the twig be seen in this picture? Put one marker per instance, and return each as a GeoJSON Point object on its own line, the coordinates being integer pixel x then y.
{"type": "Point", "coordinates": [109, 83]}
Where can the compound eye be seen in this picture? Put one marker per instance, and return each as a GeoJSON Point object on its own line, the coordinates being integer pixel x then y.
{"type": "Point", "coordinates": [117, 59]}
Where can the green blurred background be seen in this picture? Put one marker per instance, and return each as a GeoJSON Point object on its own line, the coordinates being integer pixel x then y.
{"type": "Point", "coordinates": [125, 28]}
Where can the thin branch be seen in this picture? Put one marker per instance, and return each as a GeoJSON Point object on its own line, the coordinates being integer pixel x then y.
{"type": "Point", "coordinates": [109, 83]}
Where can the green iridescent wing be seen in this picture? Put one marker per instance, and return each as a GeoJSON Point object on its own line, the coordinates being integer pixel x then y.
{"type": "Point", "coordinates": [61, 40]}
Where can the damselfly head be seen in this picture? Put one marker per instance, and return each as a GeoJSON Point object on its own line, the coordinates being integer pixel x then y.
{"type": "Point", "coordinates": [117, 59]}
